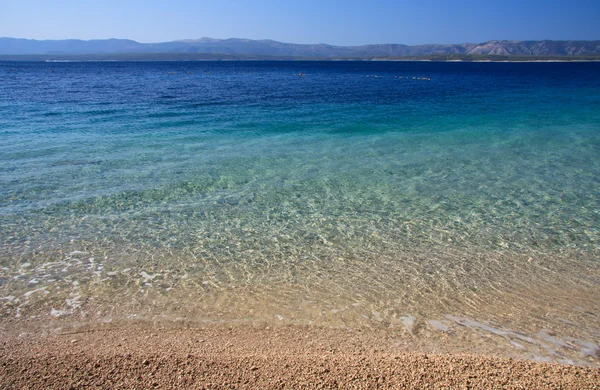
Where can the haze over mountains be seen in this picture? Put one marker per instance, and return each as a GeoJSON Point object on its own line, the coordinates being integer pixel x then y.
{"type": "Point", "coordinates": [236, 46]}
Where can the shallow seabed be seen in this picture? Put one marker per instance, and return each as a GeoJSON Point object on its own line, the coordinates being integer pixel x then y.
{"type": "Point", "coordinates": [451, 203]}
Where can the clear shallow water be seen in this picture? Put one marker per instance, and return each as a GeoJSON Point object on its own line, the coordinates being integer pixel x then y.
{"type": "Point", "coordinates": [397, 195]}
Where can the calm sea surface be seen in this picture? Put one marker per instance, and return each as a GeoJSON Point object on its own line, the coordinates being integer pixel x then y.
{"type": "Point", "coordinates": [441, 201]}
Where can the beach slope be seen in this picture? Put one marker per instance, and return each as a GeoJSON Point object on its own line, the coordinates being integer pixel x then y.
{"type": "Point", "coordinates": [247, 357]}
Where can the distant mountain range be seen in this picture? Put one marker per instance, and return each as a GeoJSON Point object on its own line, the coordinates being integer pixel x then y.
{"type": "Point", "coordinates": [269, 48]}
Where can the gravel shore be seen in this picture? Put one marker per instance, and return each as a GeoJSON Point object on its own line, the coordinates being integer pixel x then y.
{"type": "Point", "coordinates": [247, 357]}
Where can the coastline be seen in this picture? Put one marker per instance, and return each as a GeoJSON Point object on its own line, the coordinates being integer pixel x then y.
{"type": "Point", "coordinates": [257, 58]}
{"type": "Point", "coordinates": [260, 357]}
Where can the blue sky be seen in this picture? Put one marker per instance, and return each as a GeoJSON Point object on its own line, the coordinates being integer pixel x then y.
{"type": "Point", "coordinates": [348, 22]}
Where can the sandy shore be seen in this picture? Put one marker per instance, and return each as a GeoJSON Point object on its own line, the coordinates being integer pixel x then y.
{"type": "Point", "coordinates": [247, 357]}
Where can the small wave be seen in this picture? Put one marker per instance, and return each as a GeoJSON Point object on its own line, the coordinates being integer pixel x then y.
{"type": "Point", "coordinates": [167, 115]}
{"type": "Point", "coordinates": [101, 112]}
{"type": "Point", "coordinates": [76, 162]}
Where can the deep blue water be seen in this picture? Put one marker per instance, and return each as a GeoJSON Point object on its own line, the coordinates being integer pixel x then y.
{"type": "Point", "coordinates": [271, 178]}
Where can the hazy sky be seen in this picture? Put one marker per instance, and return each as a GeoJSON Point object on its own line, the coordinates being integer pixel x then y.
{"type": "Point", "coordinates": [348, 22]}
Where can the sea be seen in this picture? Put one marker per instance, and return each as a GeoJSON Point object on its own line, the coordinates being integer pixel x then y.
{"type": "Point", "coordinates": [449, 204]}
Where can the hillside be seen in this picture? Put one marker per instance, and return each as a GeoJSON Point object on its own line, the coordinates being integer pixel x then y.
{"type": "Point", "coordinates": [268, 48]}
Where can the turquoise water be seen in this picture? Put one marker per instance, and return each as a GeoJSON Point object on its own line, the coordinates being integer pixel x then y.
{"type": "Point", "coordinates": [362, 194]}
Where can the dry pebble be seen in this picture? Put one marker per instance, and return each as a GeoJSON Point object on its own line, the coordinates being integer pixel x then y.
{"type": "Point", "coordinates": [250, 358]}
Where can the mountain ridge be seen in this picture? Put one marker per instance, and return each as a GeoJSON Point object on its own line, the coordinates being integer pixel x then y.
{"type": "Point", "coordinates": [267, 47]}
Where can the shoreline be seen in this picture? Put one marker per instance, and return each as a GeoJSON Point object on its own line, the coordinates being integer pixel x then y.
{"type": "Point", "coordinates": [549, 319]}
{"type": "Point", "coordinates": [250, 357]}
{"type": "Point", "coordinates": [100, 59]}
